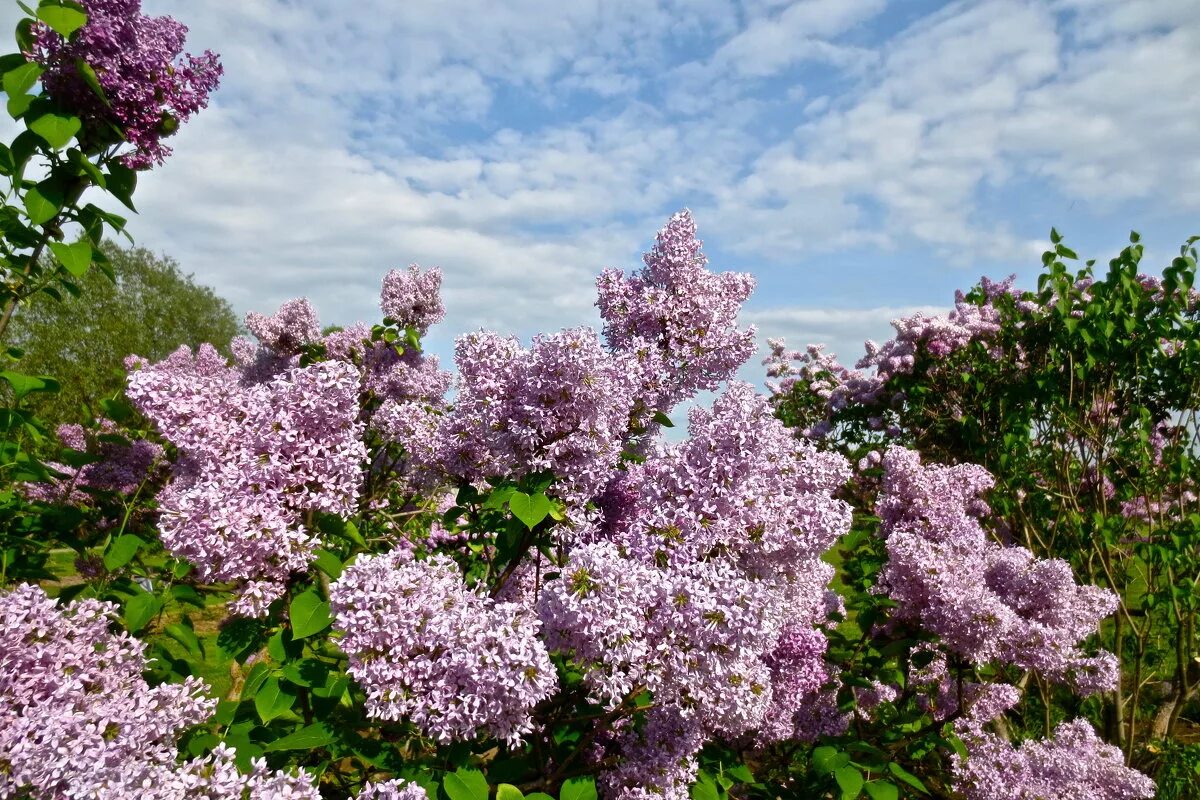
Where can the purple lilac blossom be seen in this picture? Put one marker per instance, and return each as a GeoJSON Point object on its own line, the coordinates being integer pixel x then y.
{"type": "Point", "coordinates": [413, 298]}
{"type": "Point", "coordinates": [987, 602]}
{"type": "Point", "coordinates": [1074, 764]}
{"type": "Point", "coordinates": [149, 86]}
{"type": "Point", "coordinates": [253, 458]}
{"type": "Point", "coordinates": [707, 553]}
{"type": "Point", "coordinates": [392, 790]}
{"type": "Point", "coordinates": [424, 647]}
{"type": "Point", "coordinates": [121, 468]}
{"type": "Point", "coordinates": [562, 405]}
{"type": "Point", "coordinates": [657, 762]}
{"type": "Point", "coordinates": [288, 330]}
{"type": "Point", "coordinates": [741, 484]}
{"type": "Point", "coordinates": [78, 720]}
{"type": "Point", "coordinates": [676, 318]}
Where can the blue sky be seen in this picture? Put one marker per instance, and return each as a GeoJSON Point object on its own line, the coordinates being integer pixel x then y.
{"type": "Point", "coordinates": [862, 158]}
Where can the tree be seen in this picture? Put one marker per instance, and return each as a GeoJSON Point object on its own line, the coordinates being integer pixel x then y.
{"type": "Point", "coordinates": [149, 307]}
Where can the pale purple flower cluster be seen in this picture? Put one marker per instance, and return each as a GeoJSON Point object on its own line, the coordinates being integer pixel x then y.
{"type": "Point", "coordinates": [657, 762]}
{"type": "Point", "coordinates": [121, 468]}
{"type": "Point", "coordinates": [678, 319]}
{"type": "Point", "coordinates": [1074, 764]}
{"type": "Point", "coordinates": [562, 405]}
{"type": "Point", "coordinates": [426, 648]}
{"type": "Point", "coordinates": [986, 602]}
{"type": "Point", "coordinates": [413, 298]}
{"type": "Point", "coordinates": [149, 87]}
{"type": "Point", "coordinates": [253, 458]}
{"type": "Point", "coordinates": [392, 790]}
{"type": "Point", "coordinates": [707, 554]}
{"type": "Point", "coordinates": [76, 717]}
{"type": "Point", "coordinates": [803, 689]}
{"type": "Point", "coordinates": [741, 485]}
{"type": "Point", "coordinates": [288, 330]}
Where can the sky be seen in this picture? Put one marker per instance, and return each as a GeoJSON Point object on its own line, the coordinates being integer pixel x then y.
{"type": "Point", "coordinates": [862, 158]}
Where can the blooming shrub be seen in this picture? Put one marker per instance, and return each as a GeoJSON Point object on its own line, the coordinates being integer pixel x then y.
{"type": "Point", "coordinates": [402, 583]}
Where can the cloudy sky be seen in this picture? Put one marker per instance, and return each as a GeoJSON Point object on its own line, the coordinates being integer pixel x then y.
{"type": "Point", "coordinates": [862, 158]}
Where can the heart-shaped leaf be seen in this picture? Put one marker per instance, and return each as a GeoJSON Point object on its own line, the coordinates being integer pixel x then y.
{"type": "Point", "coordinates": [76, 258]}
{"type": "Point", "coordinates": [121, 551]}
{"type": "Point", "coordinates": [140, 609]}
{"type": "Point", "coordinates": [309, 614]}
{"type": "Point", "coordinates": [63, 20]}
{"type": "Point", "coordinates": [530, 509]}
{"type": "Point", "coordinates": [307, 738]}
{"type": "Point", "coordinates": [57, 129]}
{"type": "Point", "coordinates": [272, 699]}
{"type": "Point", "coordinates": [578, 789]}
{"type": "Point", "coordinates": [466, 784]}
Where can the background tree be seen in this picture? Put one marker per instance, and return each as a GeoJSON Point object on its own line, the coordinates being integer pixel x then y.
{"type": "Point", "coordinates": [149, 307]}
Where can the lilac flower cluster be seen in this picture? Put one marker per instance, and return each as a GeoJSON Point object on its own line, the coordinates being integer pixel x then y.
{"type": "Point", "coordinates": [288, 330]}
{"type": "Point", "coordinates": [424, 647]}
{"type": "Point", "coordinates": [1074, 764]}
{"type": "Point", "coordinates": [413, 298]}
{"type": "Point", "coordinates": [741, 484]}
{"type": "Point", "coordinates": [121, 467]}
{"type": "Point", "coordinates": [253, 458]}
{"type": "Point", "coordinates": [676, 318]}
{"type": "Point", "coordinates": [988, 603]}
{"type": "Point", "coordinates": [78, 720]}
{"type": "Point", "coordinates": [657, 762]}
{"type": "Point", "coordinates": [703, 585]}
{"type": "Point", "coordinates": [562, 405]}
{"type": "Point", "coordinates": [149, 87]}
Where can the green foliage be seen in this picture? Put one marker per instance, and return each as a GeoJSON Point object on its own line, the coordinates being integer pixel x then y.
{"type": "Point", "coordinates": [1084, 406]}
{"type": "Point", "coordinates": [148, 306]}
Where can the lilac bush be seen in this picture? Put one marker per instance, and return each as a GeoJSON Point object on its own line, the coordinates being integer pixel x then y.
{"type": "Point", "coordinates": [510, 577]}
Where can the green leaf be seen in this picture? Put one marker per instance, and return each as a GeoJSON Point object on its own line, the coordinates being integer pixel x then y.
{"type": "Point", "coordinates": [538, 796]}
{"type": "Point", "coordinates": [850, 780]}
{"type": "Point", "coordinates": [705, 788]}
{"type": "Point", "coordinates": [55, 128]}
{"type": "Point", "coordinates": [663, 419]}
{"type": "Point", "coordinates": [272, 699]}
{"type": "Point", "coordinates": [882, 790]}
{"type": "Point", "coordinates": [140, 609]}
{"type": "Point", "coordinates": [307, 738]}
{"type": "Point", "coordinates": [186, 637]}
{"type": "Point", "coordinates": [328, 563]}
{"type": "Point", "coordinates": [466, 784]}
{"type": "Point", "coordinates": [309, 614]}
{"type": "Point", "coordinates": [903, 775]}
{"type": "Point", "coordinates": [18, 104]}
{"type": "Point", "coordinates": [25, 384]}
{"type": "Point", "coordinates": [581, 788]}
{"type": "Point", "coordinates": [91, 79]}
{"type": "Point", "coordinates": [76, 258]}
{"type": "Point", "coordinates": [43, 202]}
{"type": "Point", "coordinates": [62, 19]}
{"type": "Point", "coordinates": [530, 509]}
{"type": "Point", "coordinates": [826, 759]}
{"type": "Point", "coordinates": [121, 551]}
{"type": "Point", "coordinates": [21, 80]}
{"type": "Point", "coordinates": [121, 182]}
{"type": "Point", "coordinates": [506, 791]}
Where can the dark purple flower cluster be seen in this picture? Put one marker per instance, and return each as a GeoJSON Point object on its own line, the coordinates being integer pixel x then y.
{"type": "Point", "coordinates": [149, 86]}
{"type": "Point", "coordinates": [121, 466]}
